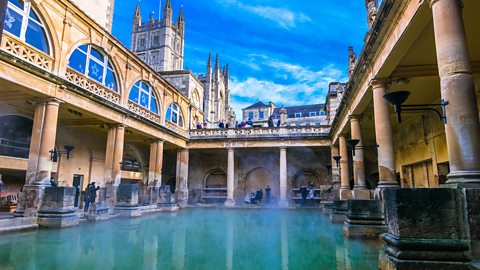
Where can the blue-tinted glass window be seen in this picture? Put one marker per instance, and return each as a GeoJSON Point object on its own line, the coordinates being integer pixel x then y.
{"type": "Point", "coordinates": [262, 115]}
{"type": "Point", "coordinates": [133, 94]}
{"type": "Point", "coordinates": [174, 115]}
{"type": "Point", "coordinates": [250, 115]}
{"type": "Point", "coordinates": [153, 105]}
{"type": "Point", "coordinates": [100, 70]}
{"type": "Point", "coordinates": [23, 22]}
{"type": "Point", "coordinates": [142, 93]}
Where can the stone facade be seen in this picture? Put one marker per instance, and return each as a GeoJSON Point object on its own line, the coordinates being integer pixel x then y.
{"type": "Point", "coordinates": [99, 10]}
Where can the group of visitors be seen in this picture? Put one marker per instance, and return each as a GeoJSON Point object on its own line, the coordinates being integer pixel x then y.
{"type": "Point", "coordinates": [245, 124]}
{"type": "Point", "coordinates": [270, 122]}
{"type": "Point", "coordinates": [255, 197]}
{"type": "Point", "coordinates": [200, 126]}
{"type": "Point", "coordinates": [90, 195]}
{"type": "Point", "coordinates": [308, 193]}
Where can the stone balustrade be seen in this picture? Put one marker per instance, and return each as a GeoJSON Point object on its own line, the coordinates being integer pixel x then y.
{"type": "Point", "coordinates": [176, 128]}
{"type": "Point", "coordinates": [26, 52]}
{"type": "Point", "coordinates": [134, 107]}
{"type": "Point", "coordinates": [92, 86]}
{"type": "Point", "coordinates": [251, 133]}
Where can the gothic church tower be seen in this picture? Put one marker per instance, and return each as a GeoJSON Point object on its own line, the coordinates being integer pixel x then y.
{"type": "Point", "coordinates": [159, 43]}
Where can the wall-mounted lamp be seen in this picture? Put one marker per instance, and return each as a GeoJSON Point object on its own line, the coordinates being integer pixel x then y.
{"type": "Point", "coordinates": [54, 152]}
{"type": "Point", "coordinates": [397, 98]}
{"type": "Point", "coordinates": [337, 159]}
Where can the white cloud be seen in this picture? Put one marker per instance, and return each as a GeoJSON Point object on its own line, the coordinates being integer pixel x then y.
{"type": "Point", "coordinates": [304, 85]}
{"type": "Point", "coordinates": [284, 17]}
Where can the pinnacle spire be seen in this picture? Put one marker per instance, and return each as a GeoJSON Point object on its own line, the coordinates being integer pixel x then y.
{"type": "Point", "coordinates": [209, 63]}
{"type": "Point", "coordinates": [137, 10]}
{"type": "Point", "coordinates": [180, 16]}
{"type": "Point", "coordinates": [217, 63]}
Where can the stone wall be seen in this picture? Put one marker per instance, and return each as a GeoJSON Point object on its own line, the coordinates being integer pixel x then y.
{"type": "Point", "coordinates": [99, 10]}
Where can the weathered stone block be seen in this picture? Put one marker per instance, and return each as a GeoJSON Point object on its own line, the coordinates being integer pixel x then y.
{"type": "Point", "coordinates": [426, 230]}
{"type": "Point", "coordinates": [182, 196]}
{"type": "Point", "coordinates": [361, 194]}
{"type": "Point", "coordinates": [364, 219]}
{"type": "Point", "coordinates": [345, 194]}
{"type": "Point", "coordinates": [339, 211]}
{"type": "Point", "coordinates": [153, 194]}
{"type": "Point", "coordinates": [98, 211]}
{"type": "Point", "coordinates": [472, 204]}
{"type": "Point", "coordinates": [127, 200]}
{"type": "Point", "coordinates": [327, 207]}
{"type": "Point", "coordinates": [57, 208]}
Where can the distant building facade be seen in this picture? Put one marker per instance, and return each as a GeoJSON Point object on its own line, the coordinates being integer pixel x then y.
{"type": "Point", "coordinates": [304, 115]}
{"type": "Point", "coordinates": [334, 97]}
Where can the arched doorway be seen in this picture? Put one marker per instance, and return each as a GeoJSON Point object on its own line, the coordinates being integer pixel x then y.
{"type": "Point", "coordinates": [15, 135]}
{"type": "Point", "coordinates": [259, 178]}
{"type": "Point", "coordinates": [306, 177]}
{"type": "Point", "coordinates": [215, 186]}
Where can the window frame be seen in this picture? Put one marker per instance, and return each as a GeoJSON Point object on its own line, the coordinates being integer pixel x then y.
{"type": "Point", "coordinates": [298, 115]}
{"type": "Point", "coordinates": [106, 64]}
{"type": "Point", "coordinates": [172, 109]}
{"type": "Point", "coordinates": [25, 14]}
{"type": "Point", "coordinates": [150, 93]}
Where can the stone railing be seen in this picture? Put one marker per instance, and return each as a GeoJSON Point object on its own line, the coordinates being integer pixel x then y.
{"type": "Point", "coordinates": [92, 86]}
{"type": "Point", "coordinates": [143, 112]}
{"type": "Point", "coordinates": [26, 52]}
{"type": "Point", "coordinates": [250, 133]}
{"type": "Point", "coordinates": [176, 128]}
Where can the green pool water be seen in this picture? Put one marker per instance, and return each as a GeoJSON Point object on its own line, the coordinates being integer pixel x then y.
{"type": "Point", "coordinates": [193, 239]}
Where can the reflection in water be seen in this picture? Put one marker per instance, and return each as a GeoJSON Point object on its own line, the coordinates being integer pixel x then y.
{"type": "Point", "coordinates": [193, 239]}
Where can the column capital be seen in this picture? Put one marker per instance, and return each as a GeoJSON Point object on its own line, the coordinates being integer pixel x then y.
{"type": "Point", "coordinates": [432, 2]}
{"type": "Point", "coordinates": [282, 147]}
{"type": "Point", "coordinates": [379, 83]}
{"type": "Point", "coordinates": [354, 117]}
{"type": "Point", "coordinates": [150, 141]}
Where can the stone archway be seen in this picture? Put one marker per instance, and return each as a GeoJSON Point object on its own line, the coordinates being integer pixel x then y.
{"type": "Point", "coordinates": [259, 178]}
{"type": "Point", "coordinates": [215, 178]}
{"type": "Point", "coordinates": [304, 177]}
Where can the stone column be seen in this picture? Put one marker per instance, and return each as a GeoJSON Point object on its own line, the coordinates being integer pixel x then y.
{"type": "Point", "coordinates": [463, 127]}
{"type": "Point", "coordinates": [156, 163]}
{"type": "Point", "coordinates": [110, 149]}
{"type": "Point", "coordinates": [39, 166]}
{"type": "Point", "coordinates": [230, 178]}
{"type": "Point", "coordinates": [335, 173]}
{"type": "Point", "coordinates": [383, 135]}
{"type": "Point", "coordinates": [283, 117]}
{"type": "Point", "coordinates": [47, 143]}
{"type": "Point", "coordinates": [360, 191]}
{"type": "Point", "coordinates": [118, 155]}
{"type": "Point", "coordinates": [283, 178]}
{"type": "Point", "coordinates": [182, 177]}
{"type": "Point", "coordinates": [345, 192]}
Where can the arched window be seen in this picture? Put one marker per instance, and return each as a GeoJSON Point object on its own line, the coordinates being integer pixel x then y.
{"type": "Point", "coordinates": [174, 114]}
{"type": "Point", "coordinates": [22, 21]}
{"type": "Point", "coordinates": [95, 64]}
{"type": "Point", "coordinates": [143, 94]}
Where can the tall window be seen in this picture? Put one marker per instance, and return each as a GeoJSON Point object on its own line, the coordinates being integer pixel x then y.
{"type": "Point", "coordinates": [174, 115]}
{"type": "Point", "coordinates": [23, 22]}
{"type": "Point", "coordinates": [250, 115]}
{"type": "Point", "coordinates": [143, 94]}
{"type": "Point", "coordinates": [93, 63]}
{"type": "Point", "coordinates": [261, 115]}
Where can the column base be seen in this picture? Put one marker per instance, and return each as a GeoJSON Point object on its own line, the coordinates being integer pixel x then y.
{"type": "Point", "coordinates": [339, 211]}
{"type": "Point", "coordinates": [327, 208]}
{"type": "Point", "coordinates": [57, 209]}
{"type": "Point", "coordinates": [128, 211]}
{"type": "Point", "coordinates": [283, 204]}
{"type": "Point", "coordinates": [31, 200]}
{"type": "Point", "coordinates": [182, 197]}
{"type": "Point", "coordinates": [378, 193]}
{"type": "Point", "coordinates": [98, 211]}
{"type": "Point", "coordinates": [387, 262]}
{"type": "Point", "coordinates": [230, 202]}
{"type": "Point", "coordinates": [111, 197]}
{"type": "Point", "coordinates": [464, 179]}
{"type": "Point", "coordinates": [361, 194]}
{"type": "Point", "coordinates": [345, 194]}
{"type": "Point", "coordinates": [364, 219]}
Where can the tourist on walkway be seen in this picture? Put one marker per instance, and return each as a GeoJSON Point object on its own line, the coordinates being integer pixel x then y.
{"type": "Point", "coordinates": [93, 192]}
{"type": "Point", "coordinates": [304, 192]}
{"type": "Point", "coordinates": [87, 199]}
{"type": "Point", "coordinates": [205, 125]}
{"type": "Point", "coordinates": [278, 123]}
{"type": "Point", "coordinates": [258, 196]}
{"type": "Point", "coordinates": [270, 121]}
{"type": "Point", "coordinates": [249, 123]}
{"type": "Point", "coordinates": [268, 192]}
{"type": "Point", "coordinates": [221, 125]}
{"type": "Point", "coordinates": [53, 183]}
{"type": "Point", "coordinates": [199, 126]}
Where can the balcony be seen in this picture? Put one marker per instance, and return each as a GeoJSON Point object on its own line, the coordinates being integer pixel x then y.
{"type": "Point", "coordinates": [261, 133]}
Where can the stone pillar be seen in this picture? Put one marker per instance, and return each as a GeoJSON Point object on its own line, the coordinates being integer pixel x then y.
{"type": "Point", "coordinates": [47, 143]}
{"type": "Point", "coordinates": [113, 157]}
{"type": "Point", "coordinates": [181, 192]}
{"type": "Point", "coordinates": [156, 163]}
{"type": "Point", "coordinates": [345, 192]}
{"type": "Point", "coordinates": [360, 191]}
{"type": "Point", "coordinates": [335, 173]}
{"type": "Point", "coordinates": [57, 209]}
{"type": "Point", "coordinates": [230, 178]}
{"type": "Point", "coordinates": [118, 155]}
{"type": "Point", "coordinates": [283, 202]}
{"type": "Point", "coordinates": [283, 116]}
{"type": "Point", "coordinates": [463, 126]}
{"type": "Point", "coordinates": [383, 135]}
{"type": "Point", "coordinates": [39, 166]}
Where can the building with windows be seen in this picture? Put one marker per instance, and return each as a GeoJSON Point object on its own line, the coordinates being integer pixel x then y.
{"type": "Point", "coordinates": [160, 44]}
{"type": "Point", "coordinates": [305, 115]}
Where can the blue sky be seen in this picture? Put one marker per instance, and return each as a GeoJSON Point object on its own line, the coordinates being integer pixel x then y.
{"type": "Point", "coordinates": [285, 51]}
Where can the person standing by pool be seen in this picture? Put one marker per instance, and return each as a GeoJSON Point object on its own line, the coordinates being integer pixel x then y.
{"type": "Point", "coordinates": [270, 122]}
{"type": "Point", "coordinates": [304, 192]}
{"type": "Point", "coordinates": [268, 192]}
{"type": "Point", "coordinates": [93, 192]}
{"type": "Point", "coordinates": [87, 199]}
